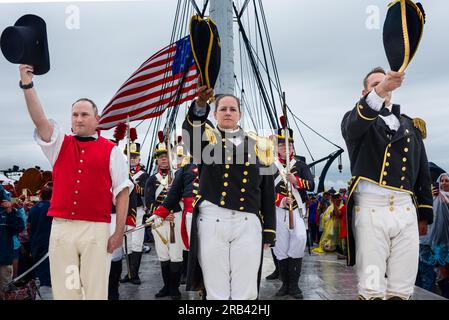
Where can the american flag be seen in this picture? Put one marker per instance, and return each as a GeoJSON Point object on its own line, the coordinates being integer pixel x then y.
{"type": "Point", "coordinates": [168, 78]}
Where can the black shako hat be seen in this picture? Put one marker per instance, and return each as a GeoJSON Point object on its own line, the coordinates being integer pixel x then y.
{"type": "Point", "coordinates": [402, 32]}
{"type": "Point", "coordinates": [206, 48]}
{"type": "Point", "coordinates": [26, 43]}
{"type": "Point", "coordinates": [281, 135]}
{"type": "Point", "coordinates": [134, 148]}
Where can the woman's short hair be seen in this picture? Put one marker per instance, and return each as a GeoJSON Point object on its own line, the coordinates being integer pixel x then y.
{"type": "Point", "coordinates": [218, 97]}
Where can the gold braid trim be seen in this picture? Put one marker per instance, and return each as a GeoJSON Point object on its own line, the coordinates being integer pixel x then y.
{"type": "Point", "coordinates": [210, 134]}
{"type": "Point", "coordinates": [264, 149]}
{"type": "Point", "coordinates": [420, 124]}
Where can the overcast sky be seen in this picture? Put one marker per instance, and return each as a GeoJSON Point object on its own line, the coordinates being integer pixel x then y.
{"type": "Point", "coordinates": [323, 48]}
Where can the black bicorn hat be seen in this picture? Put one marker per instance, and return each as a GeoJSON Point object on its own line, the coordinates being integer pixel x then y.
{"type": "Point", "coordinates": [206, 49]}
{"type": "Point", "coordinates": [26, 43]}
{"type": "Point", "coordinates": [402, 32]}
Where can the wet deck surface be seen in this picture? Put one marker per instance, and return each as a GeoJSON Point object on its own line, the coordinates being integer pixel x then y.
{"type": "Point", "coordinates": [324, 277]}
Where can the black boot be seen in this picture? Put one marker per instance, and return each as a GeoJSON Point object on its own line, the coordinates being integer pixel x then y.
{"type": "Point", "coordinates": [114, 280]}
{"type": "Point", "coordinates": [135, 266]}
{"type": "Point", "coordinates": [283, 273]}
{"type": "Point", "coordinates": [275, 274]}
{"type": "Point", "coordinates": [175, 278]}
{"type": "Point", "coordinates": [126, 277]}
{"type": "Point", "coordinates": [165, 268]}
{"type": "Point", "coordinates": [185, 260]}
{"type": "Point", "coordinates": [294, 271]}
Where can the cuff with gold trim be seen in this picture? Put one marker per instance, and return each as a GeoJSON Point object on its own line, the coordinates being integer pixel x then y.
{"type": "Point", "coordinates": [269, 236]}
{"type": "Point", "coordinates": [425, 212]}
{"type": "Point", "coordinates": [365, 112]}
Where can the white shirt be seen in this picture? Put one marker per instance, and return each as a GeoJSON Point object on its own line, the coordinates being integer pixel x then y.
{"type": "Point", "coordinates": [375, 102]}
{"type": "Point", "coordinates": [118, 167]}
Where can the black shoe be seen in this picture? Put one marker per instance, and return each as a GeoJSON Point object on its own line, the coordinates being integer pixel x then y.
{"type": "Point", "coordinates": [125, 279]}
{"type": "Point", "coordinates": [136, 281]}
{"type": "Point", "coordinates": [162, 293]}
{"type": "Point", "coordinates": [274, 275]}
{"type": "Point", "coordinates": [165, 268]}
{"type": "Point", "coordinates": [283, 273]}
{"type": "Point", "coordinates": [294, 272]}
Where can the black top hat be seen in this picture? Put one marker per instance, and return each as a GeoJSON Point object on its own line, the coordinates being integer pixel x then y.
{"type": "Point", "coordinates": [134, 149]}
{"type": "Point", "coordinates": [402, 32]}
{"type": "Point", "coordinates": [206, 48]}
{"type": "Point", "coordinates": [26, 43]}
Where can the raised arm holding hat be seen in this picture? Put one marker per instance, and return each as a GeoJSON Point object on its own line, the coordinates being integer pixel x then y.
{"type": "Point", "coordinates": [389, 190]}
{"type": "Point", "coordinates": [389, 201]}
{"type": "Point", "coordinates": [84, 163]}
{"type": "Point", "coordinates": [234, 212]}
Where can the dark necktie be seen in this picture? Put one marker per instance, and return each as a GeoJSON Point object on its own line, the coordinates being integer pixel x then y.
{"type": "Point", "coordinates": [384, 112]}
{"type": "Point", "coordinates": [85, 139]}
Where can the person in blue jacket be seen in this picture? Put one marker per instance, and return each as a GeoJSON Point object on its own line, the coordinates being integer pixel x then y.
{"type": "Point", "coordinates": [40, 227]}
{"type": "Point", "coordinates": [10, 224]}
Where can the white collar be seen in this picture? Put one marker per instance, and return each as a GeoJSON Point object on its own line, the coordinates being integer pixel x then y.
{"type": "Point", "coordinates": [228, 130]}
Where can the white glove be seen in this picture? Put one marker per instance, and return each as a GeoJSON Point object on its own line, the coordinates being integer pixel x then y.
{"type": "Point", "coordinates": [157, 221]}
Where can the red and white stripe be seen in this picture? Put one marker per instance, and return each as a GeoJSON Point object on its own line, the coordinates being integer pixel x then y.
{"type": "Point", "coordinates": [150, 90]}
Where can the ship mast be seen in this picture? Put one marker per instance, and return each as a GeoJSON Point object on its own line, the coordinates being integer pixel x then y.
{"type": "Point", "coordinates": [221, 12]}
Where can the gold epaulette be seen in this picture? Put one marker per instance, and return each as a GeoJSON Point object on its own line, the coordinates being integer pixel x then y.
{"type": "Point", "coordinates": [420, 124]}
{"type": "Point", "coordinates": [185, 161]}
{"type": "Point", "coordinates": [264, 149]}
{"type": "Point", "coordinates": [210, 134]}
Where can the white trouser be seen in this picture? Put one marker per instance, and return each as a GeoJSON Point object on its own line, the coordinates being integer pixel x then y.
{"type": "Point", "coordinates": [117, 254]}
{"type": "Point", "coordinates": [170, 251]}
{"type": "Point", "coordinates": [289, 243]}
{"type": "Point", "coordinates": [387, 244]}
{"type": "Point", "coordinates": [229, 252]}
{"type": "Point", "coordinates": [79, 261]}
{"type": "Point", "coordinates": [135, 239]}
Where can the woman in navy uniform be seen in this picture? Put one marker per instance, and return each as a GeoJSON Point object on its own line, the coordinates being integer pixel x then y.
{"type": "Point", "coordinates": [234, 212]}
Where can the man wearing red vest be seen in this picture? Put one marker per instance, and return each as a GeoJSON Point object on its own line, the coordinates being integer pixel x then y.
{"type": "Point", "coordinates": [84, 164]}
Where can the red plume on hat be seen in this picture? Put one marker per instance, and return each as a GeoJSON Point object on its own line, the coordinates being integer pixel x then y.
{"type": "Point", "coordinates": [120, 131]}
{"type": "Point", "coordinates": [160, 135]}
{"type": "Point", "coordinates": [179, 139]}
{"type": "Point", "coordinates": [283, 121]}
{"type": "Point", "coordinates": [133, 134]}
